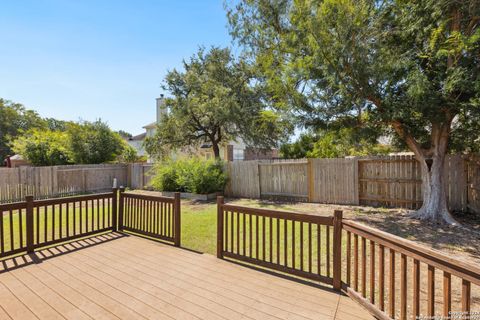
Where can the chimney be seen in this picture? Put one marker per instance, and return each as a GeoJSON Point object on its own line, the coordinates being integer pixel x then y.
{"type": "Point", "coordinates": [161, 107]}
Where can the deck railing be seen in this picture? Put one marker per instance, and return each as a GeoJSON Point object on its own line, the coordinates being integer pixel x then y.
{"type": "Point", "coordinates": [351, 257]}
{"type": "Point", "coordinates": [298, 244]}
{"type": "Point", "coordinates": [31, 224]}
{"type": "Point", "coordinates": [408, 286]}
{"type": "Point", "coordinates": [153, 216]}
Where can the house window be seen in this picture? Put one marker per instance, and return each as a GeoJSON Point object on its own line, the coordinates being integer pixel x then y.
{"type": "Point", "coordinates": [238, 154]}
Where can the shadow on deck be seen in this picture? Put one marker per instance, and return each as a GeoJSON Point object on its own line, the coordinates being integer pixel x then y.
{"type": "Point", "coordinates": [114, 276]}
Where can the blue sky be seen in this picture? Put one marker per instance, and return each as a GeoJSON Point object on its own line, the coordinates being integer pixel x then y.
{"type": "Point", "coordinates": [86, 59]}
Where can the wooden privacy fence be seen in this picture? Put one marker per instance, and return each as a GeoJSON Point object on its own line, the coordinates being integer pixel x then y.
{"type": "Point", "coordinates": [55, 181]}
{"type": "Point", "coordinates": [392, 277]}
{"type": "Point", "coordinates": [393, 181]}
{"type": "Point", "coordinates": [31, 224]}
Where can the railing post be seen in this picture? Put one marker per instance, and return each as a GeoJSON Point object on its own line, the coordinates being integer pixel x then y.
{"type": "Point", "coordinates": [220, 202]}
{"type": "Point", "coordinates": [337, 249]}
{"type": "Point", "coordinates": [121, 208]}
{"type": "Point", "coordinates": [178, 220]}
{"type": "Point", "coordinates": [29, 223]}
{"type": "Point", "coordinates": [114, 208]}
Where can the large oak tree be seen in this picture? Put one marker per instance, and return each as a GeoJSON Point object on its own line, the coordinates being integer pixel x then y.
{"type": "Point", "coordinates": [412, 65]}
{"type": "Point", "coordinates": [213, 101]}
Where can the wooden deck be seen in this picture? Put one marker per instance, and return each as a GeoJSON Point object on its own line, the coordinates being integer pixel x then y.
{"type": "Point", "coordinates": [127, 277]}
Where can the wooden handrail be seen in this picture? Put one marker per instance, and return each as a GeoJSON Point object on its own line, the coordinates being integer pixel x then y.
{"type": "Point", "coordinates": [429, 256]}
{"type": "Point", "coordinates": [280, 214]}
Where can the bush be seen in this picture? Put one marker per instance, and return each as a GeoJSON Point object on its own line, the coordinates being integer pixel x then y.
{"type": "Point", "coordinates": [190, 175]}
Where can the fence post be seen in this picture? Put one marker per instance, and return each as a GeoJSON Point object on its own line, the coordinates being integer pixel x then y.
{"type": "Point", "coordinates": [114, 208]}
{"type": "Point", "coordinates": [337, 249]}
{"type": "Point", "coordinates": [178, 220]}
{"type": "Point", "coordinates": [29, 223]}
{"type": "Point", "coordinates": [220, 202]}
{"type": "Point", "coordinates": [121, 208]}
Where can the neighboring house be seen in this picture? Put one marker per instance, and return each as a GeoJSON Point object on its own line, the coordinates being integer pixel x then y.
{"type": "Point", "coordinates": [234, 151]}
{"type": "Point", "coordinates": [15, 161]}
{"type": "Point", "coordinates": [137, 143]}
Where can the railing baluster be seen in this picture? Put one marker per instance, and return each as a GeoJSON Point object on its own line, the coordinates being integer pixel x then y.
{"type": "Point", "coordinates": [60, 223]}
{"type": "Point", "coordinates": [278, 241]}
{"type": "Point", "coordinates": [364, 267]}
{"type": "Point", "coordinates": [232, 233]}
{"type": "Point", "coordinates": [327, 243]}
{"type": "Point", "coordinates": [431, 291]}
{"type": "Point", "coordinates": [285, 243]}
{"type": "Point", "coordinates": [45, 231]}
{"type": "Point", "coordinates": [256, 237]}
{"type": "Point", "coordinates": [391, 289]}
{"type": "Point", "coordinates": [67, 218]}
{"type": "Point", "coordinates": [293, 244]}
{"type": "Point", "coordinates": [238, 232]}
{"type": "Point", "coordinates": [310, 247]}
{"type": "Point", "coordinates": [372, 271]}
{"type": "Point", "coordinates": [11, 229]}
{"type": "Point", "coordinates": [447, 294]}
{"type": "Point", "coordinates": [271, 239]}
{"type": "Point", "coordinates": [36, 223]}
{"type": "Point", "coordinates": [263, 238]}
{"type": "Point", "coordinates": [2, 233]}
{"type": "Point", "coordinates": [416, 288]}
{"type": "Point", "coordinates": [381, 276]}
{"type": "Point", "coordinates": [250, 231]}
{"type": "Point", "coordinates": [466, 297]}
{"type": "Point", "coordinates": [301, 245]}
{"type": "Point", "coordinates": [319, 249]}
{"type": "Point", "coordinates": [349, 256]}
{"type": "Point", "coordinates": [244, 233]}
{"type": "Point", "coordinates": [81, 216]}
{"type": "Point", "coordinates": [355, 259]}
{"type": "Point", "coordinates": [403, 287]}
{"type": "Point", "coordinates": [20, 224]}
{"type": "Point", "coordinates": [74, 218]}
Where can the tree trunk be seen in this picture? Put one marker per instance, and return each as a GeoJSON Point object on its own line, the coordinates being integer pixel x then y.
{"type": "Point", "coordinates": [216, 150]}
{"type": "Point", "coordinates": [435, 206]}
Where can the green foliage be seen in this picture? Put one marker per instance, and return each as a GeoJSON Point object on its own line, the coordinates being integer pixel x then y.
{"type": "Point", "coordinates": [298, 149]}
{"type": "Point", "coordinates": [43, 147]}
{"type": "Point", "coordinates": [412, 65]}
{"type": "Point", "coordinates": [129, 154]}
{"type": "Point", "coordinates": [93, 142]}
{"type": "Point", "coordinates": [341, 143]}
{"type": "Point", "coordinates": [15, 120]}
{"type": "Point", "coordinates": [80, 143]}
{"type": "Point", "coordinates": [214, 100]}
{"type": "Point", "coordinates": [190, 175]}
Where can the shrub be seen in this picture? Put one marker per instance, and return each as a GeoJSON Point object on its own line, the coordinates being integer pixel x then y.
{"type": "Point", "coordinates": [190, 175]}
{"type": "Point", "coordinates": [165, 177]}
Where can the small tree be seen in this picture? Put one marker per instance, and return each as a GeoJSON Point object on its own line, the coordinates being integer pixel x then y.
{"type": "Point", "coordinates": [43, 147]}
{"type": "Point", "coordinates": [14, 121]}
{"type": "Point", "coordinates": [214, 101]}
{"type": "Point", "coordinates": [93, 142]}
{"type": "Point", "coordinates": [412, 65]}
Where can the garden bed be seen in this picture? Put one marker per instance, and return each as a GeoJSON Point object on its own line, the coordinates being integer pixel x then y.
{"type": "Point", "coordinates": [192, 196]}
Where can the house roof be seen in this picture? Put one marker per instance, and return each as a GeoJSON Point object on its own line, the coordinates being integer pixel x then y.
{"type": "Point", "coordinates": [150, 126]}
{"type": "Point", "coordinates": [138, 137]}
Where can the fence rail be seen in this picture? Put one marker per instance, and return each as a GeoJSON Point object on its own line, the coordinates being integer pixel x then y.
{"type": "Point", "coordinates": [392, 277]}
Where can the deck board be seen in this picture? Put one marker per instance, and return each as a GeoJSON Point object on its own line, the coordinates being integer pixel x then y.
{"type": "Point", "coordinates": [128, 277]}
